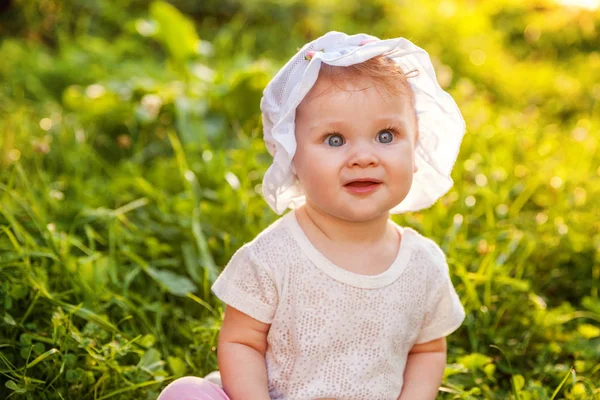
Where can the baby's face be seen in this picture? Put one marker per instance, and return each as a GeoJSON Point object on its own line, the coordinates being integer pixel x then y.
{"type": "Point", "coordinates": [355, 150]}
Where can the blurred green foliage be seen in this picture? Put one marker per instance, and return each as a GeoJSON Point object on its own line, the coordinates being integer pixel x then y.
{"type": "Point", "coordinates": [131, 160]}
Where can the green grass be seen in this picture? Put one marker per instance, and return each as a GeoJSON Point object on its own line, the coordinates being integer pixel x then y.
{"type": "Point", "coordinates": [130, 168]}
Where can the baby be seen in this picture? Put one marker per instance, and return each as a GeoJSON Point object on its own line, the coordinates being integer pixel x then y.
{"type": "Point", "coordinates": [334, 300]}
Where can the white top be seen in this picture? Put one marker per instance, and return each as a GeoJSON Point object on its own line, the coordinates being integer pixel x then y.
{"type": "Point", "coordinates": [335, 333]}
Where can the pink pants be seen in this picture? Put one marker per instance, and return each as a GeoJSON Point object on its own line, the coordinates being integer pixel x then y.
{"type": "Point", "coordinates": [194, 388]}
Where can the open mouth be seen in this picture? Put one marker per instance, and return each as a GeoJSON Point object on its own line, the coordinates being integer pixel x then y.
{"type": "Point", "coordinates": [362, 186]}
{"type": "Point", "coordinates": [362, 183]}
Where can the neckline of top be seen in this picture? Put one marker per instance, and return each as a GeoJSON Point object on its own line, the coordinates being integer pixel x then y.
{"type": "Point", "coordinates": [343, 275]}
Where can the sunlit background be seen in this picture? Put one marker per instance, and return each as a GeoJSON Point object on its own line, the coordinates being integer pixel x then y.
{"type": "Point", "coordinates": [587, 4]}
{"type": "Point", "coordinates": [131, 161]}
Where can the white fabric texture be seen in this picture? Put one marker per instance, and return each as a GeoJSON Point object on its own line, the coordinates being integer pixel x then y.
{"type": "Point", "coordinates": [335, 333]}
{"type": "Point", "coordinates": [440, 123]}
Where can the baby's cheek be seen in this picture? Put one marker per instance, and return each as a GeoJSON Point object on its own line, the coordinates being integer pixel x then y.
{"type": "Point", "coordinates": [301, 162]}
{"type": "Point", "coordinates": [314, 168]}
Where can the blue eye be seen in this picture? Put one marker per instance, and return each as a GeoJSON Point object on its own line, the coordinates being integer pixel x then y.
{"type": "Point", "coordinates": [335, 140]}
{"type": "Point", "coordinates": [385, 137]}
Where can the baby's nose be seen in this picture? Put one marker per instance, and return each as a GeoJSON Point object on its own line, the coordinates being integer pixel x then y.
{"type": "Point", "coordinates": [363, 156]}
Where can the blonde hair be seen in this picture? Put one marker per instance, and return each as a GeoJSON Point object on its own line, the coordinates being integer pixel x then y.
{"type": "Point", "coordinates": [380, 70]}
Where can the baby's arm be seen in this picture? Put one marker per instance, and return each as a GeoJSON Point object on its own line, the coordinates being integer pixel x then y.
{"type": "Point", "coordinates": [241, 355]}
{"type": "Point", "coordinates": [424, 370]}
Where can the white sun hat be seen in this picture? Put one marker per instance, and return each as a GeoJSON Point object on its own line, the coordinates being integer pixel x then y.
{"type": "Point", "coordinates": [440, 123]}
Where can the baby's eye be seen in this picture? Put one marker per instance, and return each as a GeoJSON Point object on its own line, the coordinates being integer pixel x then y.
{"type": "Point", "coordinates": [335, 140]}
{"type": "Point", "coordinates": [385, 136]}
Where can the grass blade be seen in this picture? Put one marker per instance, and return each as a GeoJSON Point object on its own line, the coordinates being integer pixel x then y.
{"type": "Point", "coordinates": [571, 372]}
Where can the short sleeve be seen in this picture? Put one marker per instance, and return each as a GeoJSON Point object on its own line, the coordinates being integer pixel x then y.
{"type": "Point", "coordinates": [247, 286]}
{"type": "Point", "coordinates": [444, 312]}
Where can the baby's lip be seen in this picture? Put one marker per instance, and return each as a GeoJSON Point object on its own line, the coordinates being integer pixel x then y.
{"type": "Point", "coordinates": [373, 180]}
